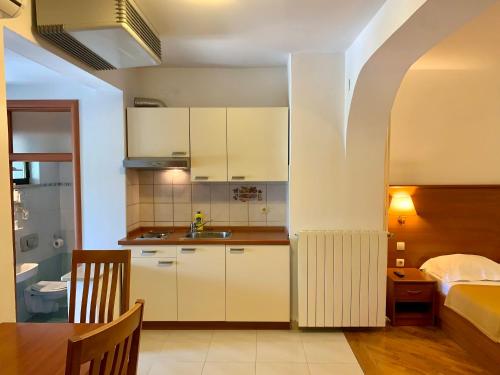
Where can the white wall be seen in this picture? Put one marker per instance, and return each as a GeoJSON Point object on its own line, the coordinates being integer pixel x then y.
{"type": "Point", "coordinates": [316, 141]}
{"type": "Point", "coordinates": [210, 87]}
{"type": "Point", "coordinates": [445, 128]}
{"type": "Point", "coordinates": [316, 146]}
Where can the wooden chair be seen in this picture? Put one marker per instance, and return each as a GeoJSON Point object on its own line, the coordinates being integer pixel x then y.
{"type": "Point", "coordinates": [109, 350]}
{"type": "Point", "coordinates": [103, 289]}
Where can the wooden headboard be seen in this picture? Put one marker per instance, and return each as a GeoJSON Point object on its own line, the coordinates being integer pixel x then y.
{"type": "Point", "coordinates": [451, 219]}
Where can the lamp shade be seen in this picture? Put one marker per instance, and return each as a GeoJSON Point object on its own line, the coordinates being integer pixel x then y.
{"type": "Point", "coordinates": [402, 204]}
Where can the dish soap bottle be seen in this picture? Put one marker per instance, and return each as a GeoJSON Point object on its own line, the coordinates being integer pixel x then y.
{"type": "Point", "coordinates": [198, 219]}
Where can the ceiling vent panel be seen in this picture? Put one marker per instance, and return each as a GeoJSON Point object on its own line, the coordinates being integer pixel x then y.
{"type": "Point", "coordinates": [104, 34]}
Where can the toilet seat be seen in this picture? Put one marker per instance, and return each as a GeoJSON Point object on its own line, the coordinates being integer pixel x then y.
{"type": "Point", "coordinates": [49, 289]}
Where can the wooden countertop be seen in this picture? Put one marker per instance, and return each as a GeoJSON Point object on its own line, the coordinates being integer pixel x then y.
{"type": "Point", "coordinates": [240, 236]}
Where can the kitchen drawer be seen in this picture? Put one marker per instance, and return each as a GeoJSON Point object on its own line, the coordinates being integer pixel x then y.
{"type": "Point", "coordinates": [414, 292]}
{"type": "Point", "coordinates": [153, 251]}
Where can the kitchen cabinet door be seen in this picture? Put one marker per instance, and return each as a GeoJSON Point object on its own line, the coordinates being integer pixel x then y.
{"type": "Point", "coordinates": [158, 132]}
{"type": "Point", "coordinates": [155, 281]}
{"type": "Point", "coordinates": [258, 283]}
{"type": "Point", "coordinates": [201, 282]}
{"type": "Point", "coordinates": [208, 144]}
{"type": "Point", "coordinates": [257, 144]}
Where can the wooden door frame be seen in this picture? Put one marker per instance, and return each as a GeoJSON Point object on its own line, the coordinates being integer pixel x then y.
{"type": "Point", "coordinates": [70, 106]}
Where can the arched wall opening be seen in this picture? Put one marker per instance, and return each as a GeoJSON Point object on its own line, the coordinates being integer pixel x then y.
{"type": "Point", "coordinates": [366, 165]}
{"type": "Point", "coordinates": [444, 142]}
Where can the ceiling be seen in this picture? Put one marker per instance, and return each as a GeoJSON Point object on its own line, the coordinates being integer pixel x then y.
{"type": "Point", "coordinates": [474, 46]}
{"type": "Point", "coordinates": [252, 33]}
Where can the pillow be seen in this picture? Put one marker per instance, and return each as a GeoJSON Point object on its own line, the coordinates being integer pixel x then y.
{"type": "Point", "coordinates": [463, 267]}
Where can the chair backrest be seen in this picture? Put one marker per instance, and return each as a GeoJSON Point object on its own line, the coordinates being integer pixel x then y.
{"type": "Point", "coordinates": [103, 272]}
{"type": "Point", "coordinates": [112, 349]}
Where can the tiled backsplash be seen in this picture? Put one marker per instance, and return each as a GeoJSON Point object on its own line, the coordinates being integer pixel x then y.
{"type": "Point", "coordinates": [168, 198]}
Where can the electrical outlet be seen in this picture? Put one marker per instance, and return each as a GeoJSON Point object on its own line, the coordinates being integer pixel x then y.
{"type": "Point", "coordinates": [400, 262]}
{"type": "Point", "coordinates": [400, 246]}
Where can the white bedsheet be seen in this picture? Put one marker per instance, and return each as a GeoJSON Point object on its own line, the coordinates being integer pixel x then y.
{"type": "Point", "coordinates": [444, 287]}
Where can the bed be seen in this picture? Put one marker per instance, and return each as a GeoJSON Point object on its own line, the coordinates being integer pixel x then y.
{"type": "Point", "coordinates": [469, 309]}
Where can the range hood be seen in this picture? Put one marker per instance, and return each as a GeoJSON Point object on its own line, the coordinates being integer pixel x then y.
{"type": "Point", "coordinates": [104, 34]}
{"type": "Point", "coordinates": [157, 163]}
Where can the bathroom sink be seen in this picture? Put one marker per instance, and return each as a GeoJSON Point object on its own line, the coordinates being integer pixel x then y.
{"type": "Point", "coordinates": [204, 235]}
{"type": "Point", "coordinates": [25, 270]}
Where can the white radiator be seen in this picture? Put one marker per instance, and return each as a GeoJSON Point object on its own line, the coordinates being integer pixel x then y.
{"type": "Point", "coordinates": [342, 278]}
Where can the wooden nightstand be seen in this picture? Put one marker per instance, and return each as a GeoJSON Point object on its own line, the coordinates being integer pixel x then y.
{"type": "Point", "coordinates": [411, 300]}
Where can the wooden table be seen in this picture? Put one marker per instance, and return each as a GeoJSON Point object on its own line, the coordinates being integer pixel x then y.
{"type": "Point", "coordinates": [36, 348]}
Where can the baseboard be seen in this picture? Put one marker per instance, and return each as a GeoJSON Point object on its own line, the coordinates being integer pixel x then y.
{"type": "Point", "coordinates": [151, 325]}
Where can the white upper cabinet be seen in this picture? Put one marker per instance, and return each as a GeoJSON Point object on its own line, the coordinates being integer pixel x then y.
{"type": "Point", "coordinates": [158, 132]}
{"type": "Point", "coordinates": [257, 144]}
{"type": "Point", "coordinates": [208, 144]}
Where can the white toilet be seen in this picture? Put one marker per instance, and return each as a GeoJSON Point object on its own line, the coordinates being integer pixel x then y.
{"type": "Point", "coordinates": [45, 296]}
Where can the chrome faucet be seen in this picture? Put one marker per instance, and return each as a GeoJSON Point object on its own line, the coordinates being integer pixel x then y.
{"type": "Point", "coordinates": [195, 225]}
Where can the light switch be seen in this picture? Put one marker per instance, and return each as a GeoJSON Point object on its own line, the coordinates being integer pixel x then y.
{"type": "Point", "coordinates": [400, 246]}
{"type": "Point", "coordinates": [400, 262]}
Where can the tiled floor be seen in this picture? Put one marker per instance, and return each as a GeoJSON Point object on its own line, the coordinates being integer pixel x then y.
{"type": "Point", "coordinates": [246, 353]}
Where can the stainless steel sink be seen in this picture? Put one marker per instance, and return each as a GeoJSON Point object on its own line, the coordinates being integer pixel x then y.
{"type": "Point", "coordinates": [204, 235]}
{"type": "Point", "coordinates": [153, 236]}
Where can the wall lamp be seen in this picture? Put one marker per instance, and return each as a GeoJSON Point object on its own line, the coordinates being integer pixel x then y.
{"type": "Point", "coordinates": [402, 205]}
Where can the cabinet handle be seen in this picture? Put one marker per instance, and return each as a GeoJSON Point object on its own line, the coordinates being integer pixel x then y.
{"type": "Point", "coordinates": [237, 250]}
{"type": "Point", "coordinates": [179, 153]}
{"type": "Point", "coordinates": [238, 178]}
{"type": "Point", "coordinates": [199, 178]}
{"type": "Point", "coordinates": [165, 262]}
{"type": "Point", "coordinates": [146, 252]}
{"type": "Point", "coordinates": [188, 250]}
{"type": "Point", "coordinates": [414, 291]}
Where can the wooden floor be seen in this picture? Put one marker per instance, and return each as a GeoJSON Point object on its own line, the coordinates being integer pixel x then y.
{"type": "Point", "coordinates": [410, 350]}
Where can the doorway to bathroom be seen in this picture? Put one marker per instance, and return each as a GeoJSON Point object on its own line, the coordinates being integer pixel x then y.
{"type": "Point", "coordinates": [46, 203]}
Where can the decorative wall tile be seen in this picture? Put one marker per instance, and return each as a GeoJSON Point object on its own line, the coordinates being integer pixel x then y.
{"type": "Point", "coordinates": [146, 212]}
{"type": "Point", "coordinates": [180, 177]}
{"type": "Point", "coordinates": [163, 178]}
{"type": "Point", "coordinates": [163, 224]}
{"type": "Point", "coordinates": [146, 193]}
{"type": "Point", "coordinates": [257, 212]}
{"type": "Point", "coordinates": [182, 193]}
{"type": "Point", "coordinates": [182, 212]}
{"type": "Point", "coordinates": [146, 177]}
{"type": "Point", "coordinates": [132, 177]}
{"type": "Point", "coordinates": [163, 194]}
{"type": "Point", "coordinates": [238, 211]}
{"type": "Point", "coordinates": [164, 212]}
{"type": "Point", "coordinates": [132, 194]}
{"type": "Point", "coordinates": [201, 193]}
{"type": "Point", "coordinates": [182, 224]}
{"type": "Point", "coordinates": [168, 198]}
{"type": "Point", "coordinates": [277, 203]}
{"type": "Point", "coordinates": [219, 211]}
{"type": "Point", "coordinates": [247, 193]}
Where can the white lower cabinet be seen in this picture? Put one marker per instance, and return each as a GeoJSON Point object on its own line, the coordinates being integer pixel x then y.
{"type": "Point", "coordinates": [201, 283]}
{"type": "Point", "coordinates": [153, 278]}
{"type": "Point", "coordinates": [212, 282]}
{"type": "Point", "coordinates": [258, 283]}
